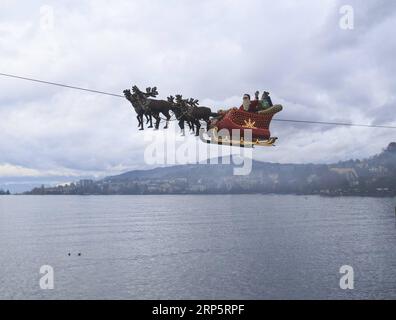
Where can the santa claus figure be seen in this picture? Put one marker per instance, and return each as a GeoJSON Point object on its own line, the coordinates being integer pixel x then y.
{"type": "Point", "coordinates": [248, 105]}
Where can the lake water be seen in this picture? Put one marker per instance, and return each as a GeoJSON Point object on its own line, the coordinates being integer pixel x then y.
{"type": "Point", "coordinates": [197, 247]}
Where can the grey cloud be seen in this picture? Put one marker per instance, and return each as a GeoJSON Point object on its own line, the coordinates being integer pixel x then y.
{"type": "Point", "coordinates": [213, 51]}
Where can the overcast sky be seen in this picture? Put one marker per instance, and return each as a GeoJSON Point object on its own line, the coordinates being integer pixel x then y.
{"type": "Point", "coordinates": [214, 51]}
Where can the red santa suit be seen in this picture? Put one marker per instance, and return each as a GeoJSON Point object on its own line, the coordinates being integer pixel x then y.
{"type": "Point", "coordinates": [252, 107]}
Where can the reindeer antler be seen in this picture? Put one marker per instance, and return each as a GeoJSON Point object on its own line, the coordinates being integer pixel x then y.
{"type": "Point", "coordinates": [193, 102]}
{"type": "Point", "coordinates": [151, 92]}
{"type": "Point", "coordinates": [136, 90]}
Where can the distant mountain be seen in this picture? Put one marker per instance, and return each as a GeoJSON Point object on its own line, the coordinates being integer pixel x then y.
{"type": "Point", "coordinates": [375, 176]}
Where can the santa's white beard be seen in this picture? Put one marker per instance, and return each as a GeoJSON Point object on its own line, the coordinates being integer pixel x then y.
{"type": "Point", "coordinates": [246, 105]}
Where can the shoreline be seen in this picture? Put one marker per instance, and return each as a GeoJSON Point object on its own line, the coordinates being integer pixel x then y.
{"type": "Point", "coordinates": [217, 194]}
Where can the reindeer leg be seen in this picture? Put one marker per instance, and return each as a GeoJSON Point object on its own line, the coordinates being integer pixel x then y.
{"type": "Point", "coordinates": [167, 115]}
{"type": "Point", "coordinates": [190, 125]}
{"type": "Point", "coordinates": [157, 121]}
{"type": "Point", "coordinates": [181, 125]}
{"type": "Point", "coordinates": [198, 125]}
{"type": "Point", "coordinates": [151, 121]}
{"type": "Point", "coordinates": [139, 122]}
{"type": "Point", "coordinates": [192, 128]}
